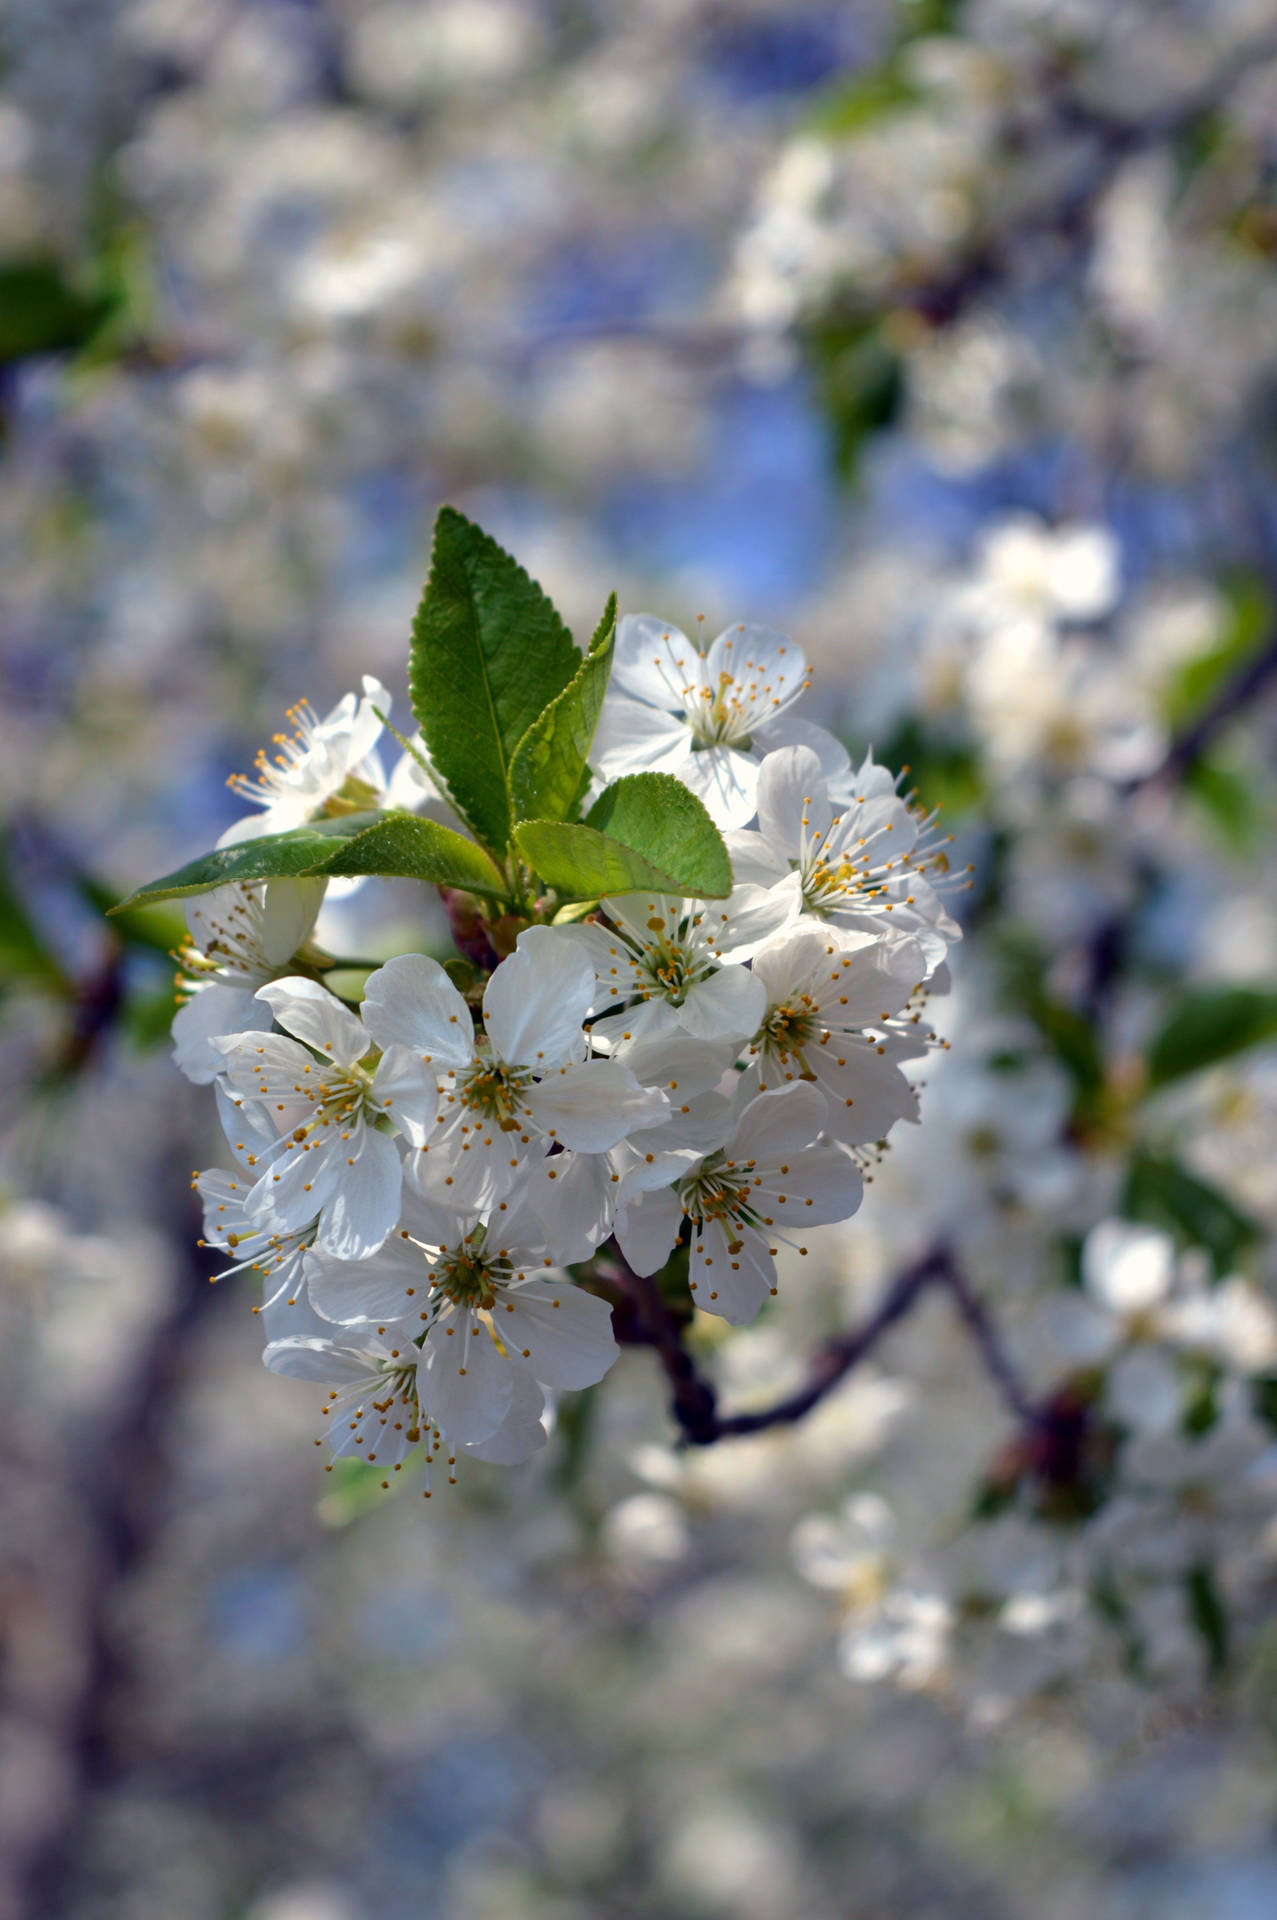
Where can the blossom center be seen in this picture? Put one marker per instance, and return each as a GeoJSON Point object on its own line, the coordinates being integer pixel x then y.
{"type": "Point", "coordinates": [353, 796]}
{"type": "Point", "coordinates": [717, 1193]}
{"type": "Point", "coordinates": [719, 716]}
{"type": "Point", "coordinates": [468, 1278]}
{"type": "Point", "coordinates": [496, 1092]}
{"type": "Point", "coordinates": [788, 1029]}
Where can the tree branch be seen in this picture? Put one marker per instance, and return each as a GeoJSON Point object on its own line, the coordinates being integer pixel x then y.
{"type": "Point", "coordinates": [694, 1400]}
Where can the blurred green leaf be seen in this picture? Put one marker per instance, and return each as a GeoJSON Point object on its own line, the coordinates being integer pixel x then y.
{"type": "Point", "coordinates": [355, 1488]}
{"type": "Point", "coordinates": [944, 774]}
{"type": "Point", "coordinates": [1164, 1194]}
{"type": "Point", "coordinates": [548, 772]}
{"type": "Point", "coordinates": [23, 952]}
{"type": "Point", "coordinates": [1228, 795]}
{"type": "Point", "coordinates": [489, 655]}
{"type": "Point", "coordinates": [861, 100]}
{"type": "Point", "coordinates": [858, 380]}
{"type": "Point", "coordinates": [1206, 1610]}
{"type": "Point", "coordinates": [395, 845]}
{"type": "Point", "coordinates": [1247, 626]}
{"type": "Point", "coordinates": [41, 311]}
{"type": "Point", "coordinates": [1207, 1025]}
{"type": "Point", "coordinates": [156, 928]}
{"type": "Point", "coordinates": [1071, 1037]}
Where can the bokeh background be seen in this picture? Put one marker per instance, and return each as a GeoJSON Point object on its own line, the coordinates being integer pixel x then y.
{"type": "Point", "coordinates": [940, 335]}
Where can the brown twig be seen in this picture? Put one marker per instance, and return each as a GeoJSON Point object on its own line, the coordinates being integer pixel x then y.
{"type": "Point", "coordinates": [694, 1400]}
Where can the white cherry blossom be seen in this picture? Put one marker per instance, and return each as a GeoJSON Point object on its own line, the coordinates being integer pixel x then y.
{"type": "Point", "coordinates": [864, 858]}
{"type": "Point", "coordinates": [773, 1172]}
{"type": "Point", "coordinates": [831, 997]}
{"type": "Point", "coordinates": [324, 766]}
{"type": "Point", "coordinates": [241, 937]}
{"type": "Point", "coordinates": [525, 1085]}
{"type": "Point", "coordinates": [487, 1299]}
{"type": "Point", "coordinates": [706, 717]}
{"type": "Point", "coordinates": [325, 1091]}
{"type": "Point", "coordinates": [670, 965]}
{"type": "Point", "coordinates": [375, 1408]}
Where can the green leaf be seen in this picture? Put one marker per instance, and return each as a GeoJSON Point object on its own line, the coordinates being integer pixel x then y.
{"type": "Point", "coordinates": [1227, 794]}
{"type": "Point", "coordinates": [1246, 627]}
{"type": "Point", "coordinates": [1164, 1194]}
{"type": "Point", "coordinates": [393, 844]}
{"type": "Point", "coordinates": [859, 383]}
{"type": "Point", "coordinates": [1207, 1613]}
{"type": "Point", "coordinates": [549, 762]}
{"type": "Point", "coordinates": [850, 106]}
{"type": "Point", "coordinates": [1211, 1024]}
{"type": "Point", "coordinates": [24, 953]}
{"type": "Point", "coordinates": [647, 832]}
{"type": "Point", "coordinates": [40, 312]}
{"type": "Point", "coordinates": [489, 654]}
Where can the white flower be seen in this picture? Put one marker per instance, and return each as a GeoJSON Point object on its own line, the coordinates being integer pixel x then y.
{"type": "Point", "coordinates": [505, 1100]}
{"type": "Point", "coordinates": [853, 1554]}
{"type": "Point", "coordinates": [1045, 706]}
{"type": "Point", "coordinates": [671, 965]}
{"type": "Point", "coordinates": [322, 767]}
{"type": "Point", "coordinates": [770, 1173]}
{"type": "Point", "coordinates": [580, 1196]}
{"type": "Point", "coordinates": [1054, 573]}
{"type": "Point", "coordinates": [486, 1297]}
{"type": "Point", "coordinates": [707, 718]}
{"type": "Point", "coordinates": [241, 937]}
{"type": "Point", "coordinates": [824, 987]}
{"type": "Point", "coordinates": [324, 1096]}
{"type": "Point", "coordinates": [867, 859]}
{"type": "Point", "coordinates": [1119, 1319]}
{"type": "Point", "coordinates": [374, 1408]}
{"type": "Point", "coordinates": [908, 1639]}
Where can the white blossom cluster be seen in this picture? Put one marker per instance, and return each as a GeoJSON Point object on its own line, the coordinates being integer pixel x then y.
{"type": "Point", "coordinates": [415, 1175]}
{"type": "Point", "coordinates": [1170, 1512]}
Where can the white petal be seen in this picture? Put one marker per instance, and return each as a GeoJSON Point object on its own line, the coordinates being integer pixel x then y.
{"type": "Point", "coordinates": [411, 1002]}
{"type": "Point", "coordinates": [295, 1187]}
{"type": "Point", "coordinates": [633, 738]}
{"type": "Point", "coordinates": [309, 1012]}
{"type": "Point", "coordinates": [788, 731]}
{"type": "Point", "coordinates": [866, 1093]}
{"type": "Point", "coordinates": [520, 1433]}
{"type": "Point", "coordinates": [406, 1093]}
{"type": "Point", "coordinates": [756, 913]}
{"type": "Point", "coordinates": [560, 1333]}
{"type": "Point", "coordinates": [777, 1124]}
{"type": "Point", "coordinates": [1127, 1268]}
{"type": "Point", "coordinates": [465, 1385]}
{"type": "Point", "coordinates": [320, 1361]}
{"type": "Point", "coordinates": [791, 790]}
{"type": "Point", "coordinates": [755, 860]}
{"type": "Point", "coordinates": [573, 1198]}
{"type": "Point", "coordinates": [647, 1229]}
{"type": "Point", "coordinates": [365, 1205]}
{"type": "Point", "coordinates": [289, 912]}
{"type": "Point", "coordinates": [728, 1005]}
{"type": "Point", "coordinates": [726, 782]}
{"type": "Point", "coordinates": [654, 662]}
{"type": "Point", "coordinates": [393, 1284]}
{"type": "Point", "coordinates": [537, 999]}
{"type": "Point", "coordinates": [731, 1277]}
{"type": "Point", "coordinates": [769, 670]}
{"type": "Point", "coordinates": [822, 1185]}
{"type": "Point", "coordinates": [591, 1107]}
{"type": "Point", "coordinates": [214, 1011]}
